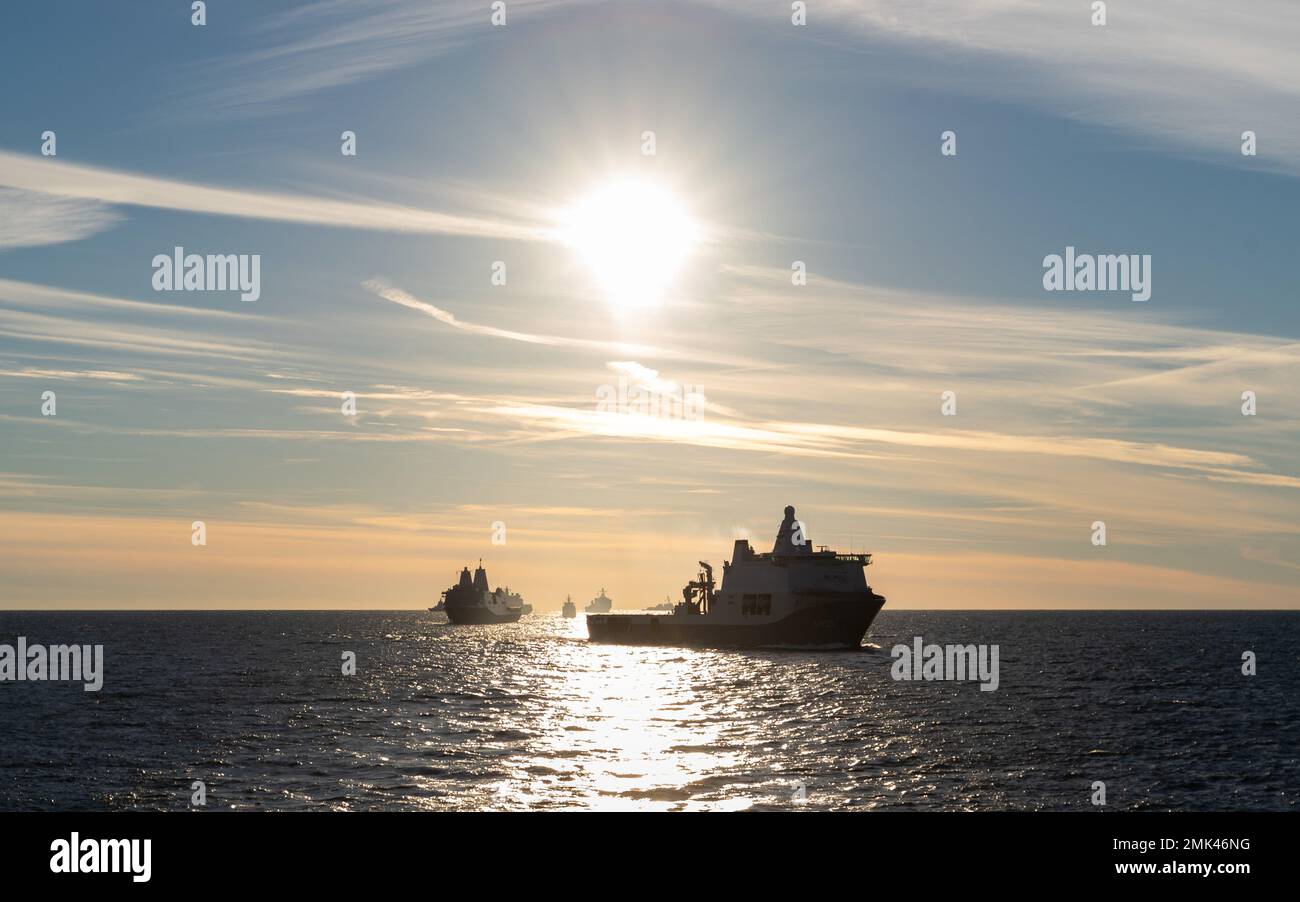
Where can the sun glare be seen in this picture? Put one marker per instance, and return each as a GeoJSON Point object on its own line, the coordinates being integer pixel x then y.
{"type": "Point", "coordinates": [633, 235]}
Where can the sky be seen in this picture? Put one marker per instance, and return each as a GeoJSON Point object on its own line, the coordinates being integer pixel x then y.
{"type": "Point", "coordinates": [518, 154]}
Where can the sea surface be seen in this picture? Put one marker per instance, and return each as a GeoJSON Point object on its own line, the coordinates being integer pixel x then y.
{"type": "Point", "coordinates": [531, 716]}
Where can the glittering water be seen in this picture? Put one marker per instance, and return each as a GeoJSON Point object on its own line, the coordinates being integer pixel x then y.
{"type": "Point", "coordinates": [532, 716]}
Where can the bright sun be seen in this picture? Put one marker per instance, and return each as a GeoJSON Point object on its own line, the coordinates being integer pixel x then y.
{"type": "Point", "coordinates": [633, 235]}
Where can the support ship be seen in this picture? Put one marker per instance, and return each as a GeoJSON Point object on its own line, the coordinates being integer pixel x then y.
{"type": "Point", "coordinates": [601, 604]}
{"type": "Point", "coordinates": [471, 601]}
{"type": "Point", "coordinates": [793, 596]}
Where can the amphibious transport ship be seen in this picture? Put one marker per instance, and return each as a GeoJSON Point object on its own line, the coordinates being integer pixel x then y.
{"type": "Point", "coordinates": [471, 601]}
{"type": "Point", "coordinates": [792, 596]}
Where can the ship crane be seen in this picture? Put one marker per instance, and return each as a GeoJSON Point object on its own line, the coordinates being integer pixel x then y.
{"type": "Point", "coordinates": [698, 593]}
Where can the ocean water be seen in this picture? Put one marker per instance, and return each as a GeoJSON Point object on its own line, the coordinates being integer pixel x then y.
{"type": "Point", "coordinates": [531, 716]}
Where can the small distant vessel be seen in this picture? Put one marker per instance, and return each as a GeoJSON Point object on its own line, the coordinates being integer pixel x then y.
{"type": "Point", "coordinates": [471, 601]}
{"type": "Point", "coordinates": [441, 605]}
{"type": "Point", "coordinates": [666, 606]}
{"type": "Point", "coordinates": [601, 604]}
{"type": "Point", "coordinates": [570, 609]}
{"type": "Point", "coordinates": [792, 596]}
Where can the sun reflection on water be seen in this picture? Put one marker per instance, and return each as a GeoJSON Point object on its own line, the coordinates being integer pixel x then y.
{"type": "Point", "coordinates": [628, 714]}
{"type": "Point", "coordinates": [533, 716]}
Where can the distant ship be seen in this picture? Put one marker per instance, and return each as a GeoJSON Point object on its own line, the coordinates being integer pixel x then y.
{"type": "Point", "coordinates": [441, 605]}
{"type": "Point", "coordinates": [666, 606]}
{"type": "Point", "coordinates": [792, 596]}
{"type": "Point", "coordinates": [471, 601]}
{"type": "Point", "coordinates": [570, 609]}
{"type": "Point", "coordinates": [600, 604]}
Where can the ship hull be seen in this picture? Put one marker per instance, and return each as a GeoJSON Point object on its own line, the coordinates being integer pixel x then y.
{"type": "Point", "coordinates": [480, 615]}
{"type": "Point", "coordinates": [832, 624]}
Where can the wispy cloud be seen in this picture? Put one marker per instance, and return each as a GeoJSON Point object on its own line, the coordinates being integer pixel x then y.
{"type": "Point", "coordinates": [133, 338]}
{"type": "Point", "coordinates": [381, 288]}
{"type": "Point", "coordinates": [54, 298]}
{"type": "Point", "coordinates": [1189, 72]}
{"type": "Point", "coordinates": [824, 439]}
{"type": "Point", "coordinates": [71, 375]}
{"type": "Point", "coordinates": [1178, 70]}
{"type": "Point", "coordinates": [94, 187]}
{"type": "Point", "coordinates": [35, 218]}
{"type": "Point", "coordinates": [331, 43]}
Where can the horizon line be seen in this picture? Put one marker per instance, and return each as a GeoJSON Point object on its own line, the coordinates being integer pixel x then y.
{"type": "Point", "coordinates": [630, 610]}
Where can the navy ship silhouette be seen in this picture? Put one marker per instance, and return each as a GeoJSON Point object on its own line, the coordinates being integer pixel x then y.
{"type": "Point", "coordinates": [472, 601]}
{"type": "Point", "coordinates": [791, 596]}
